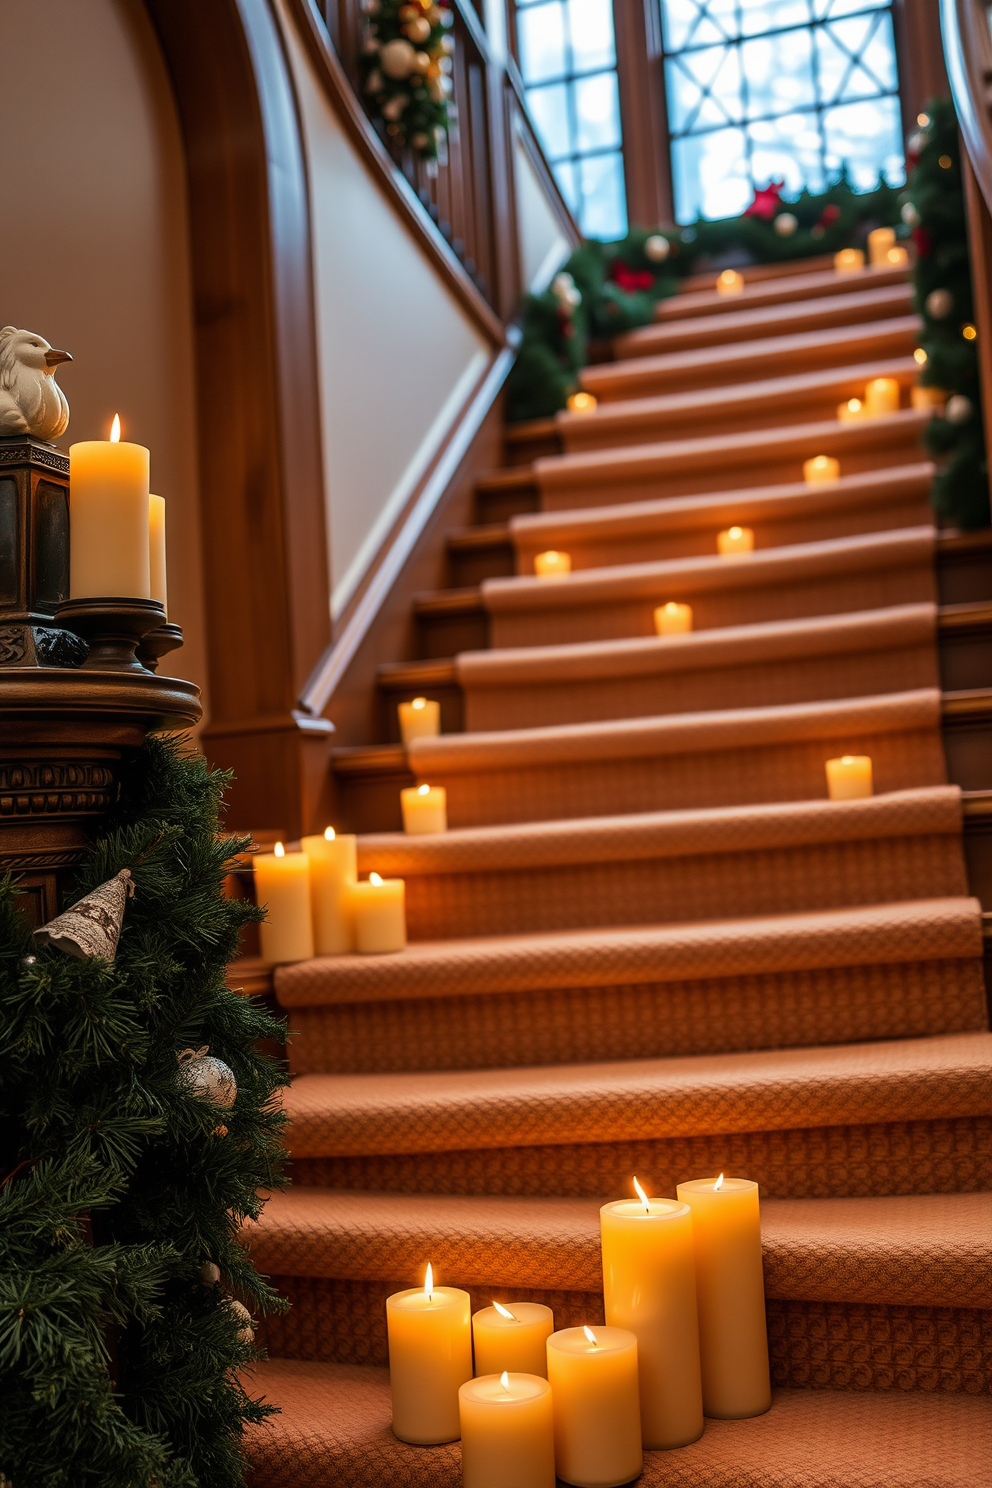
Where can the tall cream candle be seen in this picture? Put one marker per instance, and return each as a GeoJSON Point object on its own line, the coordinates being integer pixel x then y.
{"type": "Point", "coordinates": [419, 719]}
{"type": "Point", "coordinates": [430, 1357]}
{"type": "Point", "coordinates": [881, 397]}
{"type": "Point", "coordinates": [593, 1378]}
{"type": "Point", "coordinates": [108, 519]}
{"type": "Point", "coordinates": [514, 1337]}
{"type": "Point", "coordinates": [282, 884]}
{"type": "Point", "coordinates": [507, 1428]}
{"type": "Point", "coordinates": [733, 1335]}
{"type": "Point", "coordinates": [649, 1287]}
{"type": "Point", "coordinates": [378, 907]}
{"type": "Point", "coordinates": [333, 875]}
{"type": "Point", "coordinates": [425, 809]}
{"type": "Point", "coordinates": [879, 243]}
{"type": "Point", "coordinates": [158, 587]}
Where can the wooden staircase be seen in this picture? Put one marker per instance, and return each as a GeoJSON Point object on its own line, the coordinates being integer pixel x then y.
{"type": "Point", "coordinates": [649, 943]}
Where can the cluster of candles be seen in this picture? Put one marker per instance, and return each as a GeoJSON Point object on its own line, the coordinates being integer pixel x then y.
{"type": "Point", "coordinates": [317, 906]}
{"type": "Point", "coordinates": [883, 253]}
{"type": "Point", "coordinates": [117, 543]}
{"type": "Point", "coordinates": [685, 1337]}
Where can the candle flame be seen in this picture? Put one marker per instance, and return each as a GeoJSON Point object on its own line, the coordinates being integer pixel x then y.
{"type": "Point", "coordinates": [279, 850]}
{"type": "Point", "coordinates": [854, 405]}
{"type": "Point", "coordinates": [590, 1335]}
{"type": "Point", "coordinates": [375, 879]}
{"type": "Point", "coordinates": [919, 356]}
{"type": "Point", "coordinates": [643, 1197]}
{"type": "Point", "coordinates": [505, 1312]}
{"type": "Point", "coordinates": [115, 430]}
{"type": "Point", "coordinates": [729, 276]}
{"type": "Point", "coordinates": [419, 703]}
{"type": "Point", "coordinates": [735, 532]}
{"type": "Point", "coordinates": [423, 790]}
{"type": "Point", "coordinates": [718, 1184]}
{"type": "Point", "coordinates": [429, 1283]}
{"type": "Point", "coordinates": [329, 834]}
{"type": "Point", "coordinates": [504, 1380]}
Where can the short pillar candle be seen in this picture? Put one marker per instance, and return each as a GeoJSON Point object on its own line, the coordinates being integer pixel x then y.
{"type": "Point", "coordinates": [378, 907]}
{"type": "Point", "coordinates": [849, 778]}
{"type": "Point", "coordinates": [881, 397]}
{"type": "Point", "coordinates": [897, 257]}
{"type": "Point", "coordinates": [513, 1336]}
{"type": "Point", "coordinates": [730, 283]}
{"type": "Point", "coordinates": [733, 1333]}
{"type": "Point", "coordinates": [821, 468]}
{"type": "Point", "coordinates": [582, 403]}
{"type": "Point", "coordinates": [673, 619]}
{"type": "Point", "coordinates": [109, 536]}
{"type": "Point", "coordinates": [282, 884]}
{"type": "Point", "coordinates": [849, 260]}
{"type": "Point", "coordinates": [879, 243]}
{"type": "Point", "coordinates": [552, 564]}
{"type": "Point", "coordinates": [853, 409]}
{"type": "Point", "coordinates": [649, 1287]}
{"type": "Point", "coordinates": [419, 719]}
{"type": "Point", "coordinates": [507, 1428]}
{"type": "Point", "coordinates": [430, 1358]}
{"type": "Point", "coordinates": [933, 398]}
{"type": "Point", "coordinates": [734, 541]}
{"type": "Point", "coordinates": [594, 1395]}
{"type": "Point", "coordinates": [425, 810]}
{"type": "Point", "coordinates": [333, 875]}
{"type": "Point", "coordinates": [158, 585]}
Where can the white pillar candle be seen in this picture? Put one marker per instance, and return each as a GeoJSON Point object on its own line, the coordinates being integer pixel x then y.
{"type": "Point", "coordinates": [820, 468]}
{"type": "Point", "coordinates": [849, 778]}
{"type": "Point", "coordinates": [430, 1358]}
{"type": "Point", "coordinates": [733, 1334]}
{"type": "Point", "coordinates": [649, 1287]}
{"type": "Point", "coordinates": [582, 403]}
{"type": "Point", "coordinates": [734, 541]}
{"type": "Point", "coordinates": [512, 1336]}
{"type": "Point", "coordinates": [282, 884]}
{"type": "Point", "coordinates": [552, 564]}
{"type": "Point", "coordinates": [673, 619]}
{"type": "Point", "coordinates": [881, 397]}
{"type": "Point", "coordinates": [594, 1395]}
{"type": "Point", "coordinates": [933, 398]}
{"type": "Point", "coordinates": [730, 283]}
{"type": "Point", "coordinates": [378, 908]}
{"type": "Point", "coordinates": [425, 809]}
{"type": "Point", "coordinates": [108, 519]}
{"type": "Point", "coordinates": [158, 587]}
{"type": "Point", "coordinates": [333, 875]}
{"type": "Point", "coordinates": [420, 719]}
{"type": "Point", "coordinates": [879, 243]}
{"type": "Point", "coordinates": [849, 260]}
{"type": "Point", "coordinates": [507, 1428]}
{"type": "Point", "coordinates": [852, 409]}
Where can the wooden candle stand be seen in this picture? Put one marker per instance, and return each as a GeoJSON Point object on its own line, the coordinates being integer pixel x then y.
{"type": "Point", "coordinates": [113, 629]}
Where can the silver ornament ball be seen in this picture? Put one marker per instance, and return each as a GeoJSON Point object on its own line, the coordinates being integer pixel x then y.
{"type": "Point", "coordinates": [657, 248]}
{"type": "Point", "coordinates": [909, 214]}
{"type": "Point", "coordinates": [958, 409]}
{"type": "Point", "coordinates": [786, 224]}
{"type": "Point", "coordinates": [938, 304]}
{"type": "Point", "coordinates": [206, 1077]}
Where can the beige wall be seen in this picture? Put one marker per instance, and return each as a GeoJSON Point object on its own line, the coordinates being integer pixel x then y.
{"type": "Point", "coordinates": [94, 251]}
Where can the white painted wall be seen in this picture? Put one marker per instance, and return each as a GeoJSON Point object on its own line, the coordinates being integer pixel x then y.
{"type": "Point", "coordinates": [543, 245]}
{"type": "Point", "coordinates": [398, 356]}
{"type": "Point", "coordinates": [93, 248]}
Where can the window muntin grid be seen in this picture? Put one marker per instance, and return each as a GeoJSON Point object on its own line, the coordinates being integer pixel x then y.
{"type": "Point", "coordinates": [763, 89]}
{"type": "Point", "coordinates": [567, 56]}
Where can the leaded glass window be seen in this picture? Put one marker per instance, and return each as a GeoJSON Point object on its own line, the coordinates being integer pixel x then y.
{"type": "Point", "coordinates": [792, 90]}
{"type": "Point", "coordinates": [567, 56]}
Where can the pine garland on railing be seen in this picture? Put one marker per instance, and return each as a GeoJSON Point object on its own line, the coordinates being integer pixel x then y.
{"type": "Point", "coordinates": [406, 70]}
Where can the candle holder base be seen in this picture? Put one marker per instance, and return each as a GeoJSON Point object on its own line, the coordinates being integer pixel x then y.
{"type": "Point", "coordinates": [158, 643]}
{"type": "Point", "coordinates": [113, 628]}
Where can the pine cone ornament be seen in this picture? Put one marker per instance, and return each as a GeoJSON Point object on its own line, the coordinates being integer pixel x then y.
{"type": "Point", "coordinates": [206, 1077]}
{"type": "Point", "coordinates": [246, 1330]}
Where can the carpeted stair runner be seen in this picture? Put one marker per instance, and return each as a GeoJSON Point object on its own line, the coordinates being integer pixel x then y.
{"type": "Point", "coordinates": [648, 944]}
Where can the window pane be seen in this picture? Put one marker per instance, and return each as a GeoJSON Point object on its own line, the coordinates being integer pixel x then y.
{"type": "Point", "coordinates": [597, 112]}
{"type": "Point", "coordinates": [602, 213]}
{"type": "Point", "coordinates": [590, 25]}
{"type": "Point", "coordinates": [704, 89]}
{"type": "Point", "coordinates": [758, 16]}
{"type": "Point", "coordinates": [711, 175]}
{"type": "Point", "coordinates": [867, 138]}
{"type": "Point", "coordinates": [790, 150]}
{"type": "Point", "coordinates": [779, 74]}
{"type": "Point", "coordinates": [830, 9]}
{"type": "Point", "coordinates": [567, 178]}
{"type": "Point", "coordinates": [541, 40]}
{"type": "Point", "coordinates": [861, 39]}
{"type": "Point", "coordinates": [549, 109]}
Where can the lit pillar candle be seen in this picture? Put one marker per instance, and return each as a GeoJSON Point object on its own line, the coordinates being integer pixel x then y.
{"type": "Point", "coordinates": [851, 410]}
{"type": "Point", "coordinates": [849, 260]}
{"type": "Point", "coordinates": [282, 884]}
{"type": "Point", "coordinates": [881, 397]}
{"type": "Point", "coordinates": [430, 1358]}
{"type": "Point", "coordinates": [108, 519]}
{"type": "Point", "coordinates": [898, 257]}
{"type": "Point", "coordinates": [734, 541]}
{"type": "Point", "coordinates": [507, 1428]}
{"type": "Point", "coordinates": [513, 1337]}
{"type": "Point", "coordinates": [849, 778]}
{"type": "Point", "coordinates": [594, 1395]}
{"type": "Point", "coordinates": [378, 908]}
{"type": "Point", "coordinates": [820, 468]}
{"type": "Point", "coordinates": [649, 1288]}
{"type": "Point", "coordinates": [673, 619]}
{"type": "Point", "coordinates": [420, 719]}
{"type": "Point", "coordinates": [730, 282]}
{"type": "Point", "coordinates": [933, 398]}
{"type": "Point", "coordinates": [158, 587]}
{"type": "Point", "coordinates": [582, 403]}
{"type": "Point", "coordinates": [879, 243]}
{"type": "Point", "coordinates": [333, 875]}
{"type": "Point", "coordinates": [425, 809]}
{"type": "Point", "coordinates": [552, 564]}
{"type": "Point", "coordinates": [733, 1335]}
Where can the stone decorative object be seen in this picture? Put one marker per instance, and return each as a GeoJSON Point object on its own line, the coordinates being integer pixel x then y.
{"type": "Point", "coordinates": [92, 927]}
{"type": "Point", "coordinates": [207, 1078]}
{"type": "Point", "coordinates": [31, 401]}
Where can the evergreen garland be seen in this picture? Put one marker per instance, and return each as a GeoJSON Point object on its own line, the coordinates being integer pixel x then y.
{"type": "Point", "coordinates": [406, 70]}
{"type": "Point", "coordinates": [934, 206]}
{"type": "Point", "coordinates": [119, 1348]}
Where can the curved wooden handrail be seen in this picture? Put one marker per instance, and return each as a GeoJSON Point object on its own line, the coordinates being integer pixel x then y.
{"type": "Point", "coordinates": [968, 54]}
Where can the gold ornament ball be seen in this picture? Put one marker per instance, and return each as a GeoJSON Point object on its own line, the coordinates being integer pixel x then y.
{"type": "Point", "coordinates": [418, 30]}
{"type": "Point", "coordinates": [786, 224]}
{"type": "Point", "coordinates": [397, 59]}
{"type": "Point", "coordinates": [657, 248]}
{"type": "Point", "coordinates": [938, 304]}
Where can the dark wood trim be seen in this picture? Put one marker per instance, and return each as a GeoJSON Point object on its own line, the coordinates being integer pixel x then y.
{"type": "Point", "coordinates": [643, 113]}
{"type": "Point", "coordinates": [920, 57]}
{"type": "Point", "coordinates": [968, 55]}
{"type": "Point", "coordinates": [391, 180]}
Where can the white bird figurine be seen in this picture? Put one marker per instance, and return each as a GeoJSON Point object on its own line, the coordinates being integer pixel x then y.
{"type": "Point", "coordinates": [31, 401]}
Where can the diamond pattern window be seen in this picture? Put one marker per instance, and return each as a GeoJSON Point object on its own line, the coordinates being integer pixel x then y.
{"type": "Point", "coordinates": [792, 90]}
{"type": "Point", "coordinates": [568, 63]}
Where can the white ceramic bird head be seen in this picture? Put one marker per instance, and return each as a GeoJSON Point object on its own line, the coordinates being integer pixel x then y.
{"type": "Point", "coordinates": [31, 401]}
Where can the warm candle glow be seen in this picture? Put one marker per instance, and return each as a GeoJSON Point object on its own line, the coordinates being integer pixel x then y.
{"type": "Point", "coordinates": [849, 778]}
{"type": "Point", "coordinates": [279, 850]}
{"type": "Point", "coordinates": [374, 879]}
{"type": "Point", "coordinates": [969, 333]}
{"type": "Point", "coordinates": [504, 1380]}
{"type": "Point", "coordinates": [419, 719]}
{"type": "Point", "coordinates": [881, 397]}
{"type": "Point", "coordinates": [643, 1197]}
{"type": "Point", "coordinates": [920, 357]}
{"type": "Point", "coordinates": [734, 541]}
{"type": "Point", "coordinates": [115, 430]}
{"type": "Point", "coordinates": [673, 619]}
{"type": "Point", "coordinates": [552, 564]}
{"type": "Point", "coordinates": [425, 809]}
{"type": "Point", "coordinates": [423, 790]}
{"type": "Point", "coordinates": [821, 468]}
{"type": "Point", "coordinates": [419, 703]}
{"type": "Point", "coordinates": [504, 1311]}
{"type": "Point", "coordinates": [879, 243]}
{"type": "Point", "coordinates": [852, 409]}
{"type": "Point", "coordinates": [898, 257]}
{"type": "Point", "coordinates": [582, 403]}
{"type": "Point", "coordinates": [329, 834]}
{"type": "Point", "coordinates": [730, 282]}
{"type": "Point", "coordinates": [849, 260]}
{"type": "Point", "coordinates": [429, 1283]}
{"type": "Point", "coordinates": [718, 1184]}
{"type": "Point", "coordinates": [590, 1335]}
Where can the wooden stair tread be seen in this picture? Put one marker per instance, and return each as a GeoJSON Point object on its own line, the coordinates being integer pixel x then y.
{"type": "Point", "coordinates": [485, 535]}
{"type": "Point", "coordinates": [786, 290]}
